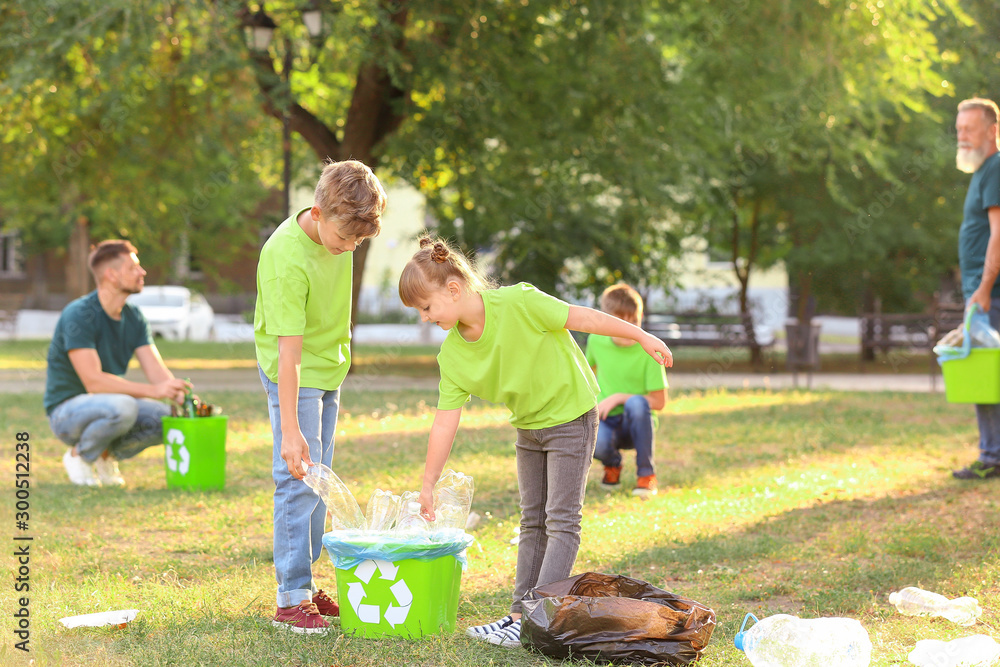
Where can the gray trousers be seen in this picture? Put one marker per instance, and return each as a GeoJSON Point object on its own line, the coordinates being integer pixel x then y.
{"type": "Point", "coordinates": [552, 467]}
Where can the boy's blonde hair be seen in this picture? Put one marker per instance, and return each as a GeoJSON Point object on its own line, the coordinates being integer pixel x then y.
{"type": "Point", "coordinates": [432, 267]}
{"type": "Point", "coordinates": [622, 301]}
{"type": "Point", "coordinates": [350, 191]}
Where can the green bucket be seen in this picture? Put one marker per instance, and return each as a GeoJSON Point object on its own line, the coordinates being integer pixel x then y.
{"type": "Point", "coordinates": [974, 379]}
{"type": "Point", "coordinates": [194, 452]}
{"type": "Point", "coordinates": [408, 598]}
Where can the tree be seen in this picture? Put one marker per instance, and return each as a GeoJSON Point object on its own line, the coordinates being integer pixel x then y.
{"type": "Point", "coordinates": [512, 117]}
{"type": "Point", "coordinates": [112, 121]}
{"type": "Point", "coordinates": [806, 106]}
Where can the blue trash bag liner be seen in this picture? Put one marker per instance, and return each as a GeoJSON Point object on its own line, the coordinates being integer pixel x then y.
{"type": "Point", "coordinates": [348, 548]}
{"type": "Point", "coordinates": [977, 333]}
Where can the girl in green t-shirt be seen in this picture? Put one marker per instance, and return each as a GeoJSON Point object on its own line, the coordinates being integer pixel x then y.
{"type": "Point", "coordinates": [512, 345]}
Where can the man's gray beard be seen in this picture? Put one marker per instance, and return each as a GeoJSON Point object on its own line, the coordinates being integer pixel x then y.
{"type": "Point", "coordinates": [967, 160]}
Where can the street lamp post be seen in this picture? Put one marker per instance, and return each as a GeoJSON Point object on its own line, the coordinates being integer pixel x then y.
{"type": "Point", "coordinates": [260, 29]}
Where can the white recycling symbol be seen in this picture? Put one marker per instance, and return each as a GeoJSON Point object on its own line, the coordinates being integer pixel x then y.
{"type": "Point", "coordinates": [176, 437]}
{"type": "Point", "coordinates": [369, 613]}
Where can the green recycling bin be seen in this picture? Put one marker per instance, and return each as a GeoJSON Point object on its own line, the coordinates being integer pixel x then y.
{"type": "Point", "coordinates": [413, 596]}
{"type": "Point", "coordinates": [194, 452]}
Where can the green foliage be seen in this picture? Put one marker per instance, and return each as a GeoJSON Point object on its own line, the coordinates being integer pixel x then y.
{"type": "Point", "coordinates": [114, 116]}
{"type": "Point", "coordinates": [570, 144]}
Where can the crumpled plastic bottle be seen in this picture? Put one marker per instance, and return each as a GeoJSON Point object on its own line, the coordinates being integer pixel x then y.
{"type": "Point", "coordinates": [974, 651]}
{"type": "Point", "coordinates": [981, 332]}
{"type": "Point", "coordinates": [411, 520]}
{"type": "Point", "coordinates": [912, 601]}
{"type": "Point", "coordinates": [382, 510]}
{"type": "Point", "coordinates": [453, 499]}
{"type": "Point", "coordinates": [345, 513]}
{"type": "Point", "coordinates": [787, 641]}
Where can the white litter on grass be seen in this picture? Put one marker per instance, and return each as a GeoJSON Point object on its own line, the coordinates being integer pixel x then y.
{"type": "Point", "coordinates": [117, 617]}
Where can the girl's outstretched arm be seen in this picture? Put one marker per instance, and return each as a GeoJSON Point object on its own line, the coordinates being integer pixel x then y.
{"type": "Point", "coordinates": [439, 443]}
{"type": "Point", "coordinates": [593, 321]}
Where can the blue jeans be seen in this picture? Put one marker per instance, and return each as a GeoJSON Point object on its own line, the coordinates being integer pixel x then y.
{"type": "Point", "coordinates": [119, 424]}
{"type": "Point", "coordinates": [632, 429]}
{"type": "Point", "coordinates": [988, 416]}
{"type": "Point", "coordinates": [299, 515]}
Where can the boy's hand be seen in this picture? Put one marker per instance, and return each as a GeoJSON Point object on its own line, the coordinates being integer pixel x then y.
{"type": "Point", "coordinates": [657, 349]}
{"type": "Point", "coordinates": [295, 452]}
{"type": "Point", "coordinates": [609, 404]}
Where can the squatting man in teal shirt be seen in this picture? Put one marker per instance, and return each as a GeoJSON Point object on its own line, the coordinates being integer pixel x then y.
{"type": "Point", "coordinates": [103, 417]}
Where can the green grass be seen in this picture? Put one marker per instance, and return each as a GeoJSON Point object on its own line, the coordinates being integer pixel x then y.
{"type": "Point", "coordinates": [815, 504]}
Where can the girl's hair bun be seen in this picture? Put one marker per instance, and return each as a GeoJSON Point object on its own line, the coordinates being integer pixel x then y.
{"type": "Point", "coordinates": [439, 253]}
{"type": "Point", "coordinates": [425, 241]}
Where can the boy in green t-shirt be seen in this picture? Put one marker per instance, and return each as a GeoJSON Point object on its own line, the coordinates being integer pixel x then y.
{"type": "Point", "coordinates": [302, 337]}
{"type": "Point", "coordinates": [633, 386]}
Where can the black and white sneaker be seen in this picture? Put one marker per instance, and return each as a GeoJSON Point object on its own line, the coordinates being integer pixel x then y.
{"type": "Point", "coordinates": [507, 637]}
{"type": "Point", "coordinates": [484, 631]}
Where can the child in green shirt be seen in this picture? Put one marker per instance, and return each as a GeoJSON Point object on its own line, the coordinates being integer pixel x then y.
{"type": "Point", "coordinates": [511, 345]}
{"type": "Point", "coordinates": [302, 337]}
{"type": "Point", "coordinates": [632, 387]}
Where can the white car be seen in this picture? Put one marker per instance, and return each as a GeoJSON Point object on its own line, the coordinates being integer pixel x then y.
{"type": "Point", "coordinates": [175, 313]}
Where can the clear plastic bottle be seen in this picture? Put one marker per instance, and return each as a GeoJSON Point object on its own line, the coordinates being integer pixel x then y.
{"type": "Point", "coordinates": [455, 489]}
{"type": "Point", "coordinates": [449, 516]}
{"type": "Point", "coordinates": [382, 510]}
{"type": "Point", "coordinates": [787, 641]}
{"type": "Point", "coordinates": [411, 521]}
{"type": "Point", "coordinates": [345, 513]}
{"type": "Point", "coordinates": [913, 601]}
{"type": "Point", "coordinates": [974, 651]}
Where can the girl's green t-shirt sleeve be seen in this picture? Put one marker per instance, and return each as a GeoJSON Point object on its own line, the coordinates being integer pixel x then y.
{"type": "Point", "coordinates": [450, 395]}
{"type": "Point", "coordinates": [284, 301]}
{"type": "Point", "coordinates": [548, 312]}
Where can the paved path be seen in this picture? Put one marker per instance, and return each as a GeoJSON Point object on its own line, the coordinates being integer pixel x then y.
{"type": "Point", "coordinates": [246, 379]}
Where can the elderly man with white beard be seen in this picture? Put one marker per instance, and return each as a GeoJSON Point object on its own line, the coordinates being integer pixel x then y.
{"type": "Point", "coordinates": [979, 250]}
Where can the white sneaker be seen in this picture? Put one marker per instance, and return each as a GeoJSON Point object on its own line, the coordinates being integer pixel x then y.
{"type": "Point", "coordinates": [107, 472]}
{"type": "Point", "coordinates": [80, 472]}
{"type": "Point", "coordinates": [508, 636]}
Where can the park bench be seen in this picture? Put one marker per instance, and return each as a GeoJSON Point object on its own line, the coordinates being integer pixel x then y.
{"type": "Point", "coordinates": [920, 332]}
{"type": "Point", "coordinates": [705, 330]}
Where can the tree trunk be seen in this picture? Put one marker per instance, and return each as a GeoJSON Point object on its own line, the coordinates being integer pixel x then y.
{"type": "Point", "coordinates": [77, 271]}
{"type": "Point", "coordinates": [743, 276]}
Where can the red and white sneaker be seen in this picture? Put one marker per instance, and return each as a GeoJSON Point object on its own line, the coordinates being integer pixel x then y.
{"type": "Point", "coordinates": [325, 604]}
{"type": "Point", "coordinates": [645, 486]}
{"type": "Point", "coordinates": [304, 619]}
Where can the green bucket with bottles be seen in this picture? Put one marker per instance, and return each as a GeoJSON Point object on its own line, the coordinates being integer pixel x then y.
{"type": "Point", "coordinates": [194, 452]}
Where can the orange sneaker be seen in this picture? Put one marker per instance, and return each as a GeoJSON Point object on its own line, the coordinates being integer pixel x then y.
{"type": "Point", "coordinates": [645, 486]}
{"type": "Point", "coordinates": [304, 619]}
{"type": "Point", "coordinates": [611, 477]}
{"type": "Point", "coordinates": [325, 604]}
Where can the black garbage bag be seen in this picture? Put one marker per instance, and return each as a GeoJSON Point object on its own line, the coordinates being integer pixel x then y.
{"type": "Point", "coordinates": [611, 617]}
